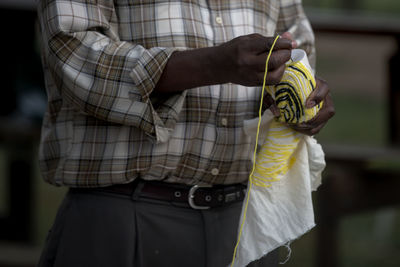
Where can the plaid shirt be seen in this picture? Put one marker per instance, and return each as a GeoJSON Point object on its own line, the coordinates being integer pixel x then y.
{"type": "Point", "coordinates": [102, 60]}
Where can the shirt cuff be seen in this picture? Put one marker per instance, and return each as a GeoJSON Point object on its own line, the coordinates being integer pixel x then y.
{"type": "Point", "coordinates": [157, 123]}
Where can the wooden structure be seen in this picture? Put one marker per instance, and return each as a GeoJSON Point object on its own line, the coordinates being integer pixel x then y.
{"type": "Point", "coordinates": [350, 184]}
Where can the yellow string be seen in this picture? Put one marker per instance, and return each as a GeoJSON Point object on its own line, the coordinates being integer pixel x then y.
{"type": "Point", "coordinates": [255, 151]}
{"type": "Point", "coordinates": [303, 80]}
{"type": "Point", "coordinates": [275, 157]}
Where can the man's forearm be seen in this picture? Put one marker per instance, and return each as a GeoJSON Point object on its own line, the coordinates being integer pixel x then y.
{"type": "Point", "coordinates": [240, 61]}
{"type": "Point", "coordinates": [189, 69]}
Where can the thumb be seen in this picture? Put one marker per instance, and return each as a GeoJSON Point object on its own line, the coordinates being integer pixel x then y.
{"type": "Point", "coordinates": [319, 93]}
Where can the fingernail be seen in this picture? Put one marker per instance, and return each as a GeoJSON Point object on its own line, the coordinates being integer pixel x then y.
{"type": "Point", "coordinates": [310, 104]}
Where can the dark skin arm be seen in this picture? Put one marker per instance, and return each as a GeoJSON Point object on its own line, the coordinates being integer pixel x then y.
{"type": "Point", "coordinates": [241, 61]}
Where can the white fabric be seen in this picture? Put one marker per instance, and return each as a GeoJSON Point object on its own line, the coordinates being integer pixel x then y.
{"type": "Point", "coordinates": [281, 211]}
{"type": "Point", "coordinates": [284, 211]}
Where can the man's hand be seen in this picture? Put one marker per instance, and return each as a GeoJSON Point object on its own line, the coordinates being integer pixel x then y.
{"type": "Point", "coordinates": [321, 92]}
{"type": "Point", "coordinates": [269, 102]}
{"type": "Point", "coordinates": [242, 60]}
{"type": "Point", "coordinates": [313, 126]}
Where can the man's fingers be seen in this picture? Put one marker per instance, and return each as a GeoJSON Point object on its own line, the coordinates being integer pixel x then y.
{"type": "Point", "coordinates": [281, 43]}
{"type": "Point", "coordinates": [278, 58]}
{"type": "Point", "coordinates": [273, 76]}
{"type": "Point", "coordinates": [314, 125]}
{"type": "Point", "coordinates": [269, 102]}
{"type": "Point", "coordinates": [247, 56]}
{"type": "Point", "coordinates": [275, 110]}
{"type": "Point", "coordinates": [262, 44]}
{"type": "Point", "coordinates": [298, 128]}
{"type": "Point", "coordinates": [288, 35]}
{"type": "Point", "coordinates": [319, 94]}
{"type": "Point", "coordinates": [325, 113]}
{"type": "Point", "coordinates": [307, 130]}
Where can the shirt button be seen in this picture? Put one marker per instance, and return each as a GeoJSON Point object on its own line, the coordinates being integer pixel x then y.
{"type": "Point", "coordinates": [214, 171]}
{"type": "Point", "coordinates": [218, 20]}
{"type": "Point", "coordinates": [224, 122]}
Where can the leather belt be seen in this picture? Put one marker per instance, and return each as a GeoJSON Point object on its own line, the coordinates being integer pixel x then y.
{"type": "Point", "coordinates": [196, 196]}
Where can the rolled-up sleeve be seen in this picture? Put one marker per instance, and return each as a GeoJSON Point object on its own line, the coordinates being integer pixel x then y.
{"type": "Point", "coordinates": [293, 19]}
{"type": "Point", "coordinates": [100, 75]}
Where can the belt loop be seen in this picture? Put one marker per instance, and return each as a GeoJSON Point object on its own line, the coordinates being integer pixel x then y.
{"type": "Point", "coordinates": [137, 190]}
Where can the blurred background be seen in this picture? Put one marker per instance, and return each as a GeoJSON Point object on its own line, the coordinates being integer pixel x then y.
{"type": "Point", "coordinates": [357, 207]}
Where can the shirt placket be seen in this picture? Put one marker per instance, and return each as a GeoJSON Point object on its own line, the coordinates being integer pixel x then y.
{"type": "Point", "coordinates": [215, 169]}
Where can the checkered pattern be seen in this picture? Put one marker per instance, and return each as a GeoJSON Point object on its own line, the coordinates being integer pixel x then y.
{"type": "Point", "coordinates": [102, 60]}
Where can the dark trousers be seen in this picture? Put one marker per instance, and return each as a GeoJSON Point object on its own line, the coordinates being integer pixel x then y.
{"type": "Point", "coordinates": [102, 229]}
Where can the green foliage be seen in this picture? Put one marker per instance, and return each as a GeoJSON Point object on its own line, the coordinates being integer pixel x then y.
{"type": "Point", "coordinates": [353, 120]}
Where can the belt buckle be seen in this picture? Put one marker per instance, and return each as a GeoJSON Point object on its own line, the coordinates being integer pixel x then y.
{"type": "Point", "coordinates": [193, 190]}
